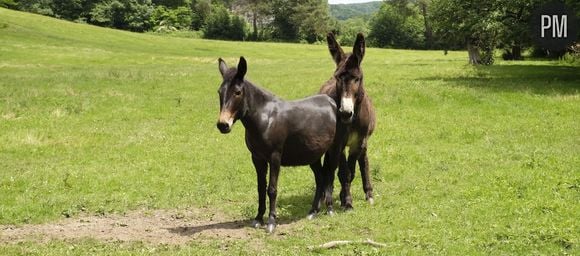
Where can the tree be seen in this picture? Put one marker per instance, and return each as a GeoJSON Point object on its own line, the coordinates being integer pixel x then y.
{"type": "Point", "coordinates": [131, 15]}
{"type": "Point", "coordinates": [360, 10]}
{"type": "Point", "coordinates": [312, 18]}
{"type": "Point", "coordinates": [473, 23]}
{"type": "Point", "coordinates": [170, 4]}
{"type": "Point", "coordinates": [42, 7]}
{"type": "Point", "coordinates": [397, 25]}
{"type": "Point", "coordinates": [200, 12]}
{"type": "Point", "coordinates": [10, 4]}
{"type": "Point", "coordinates": [171, 19]}
{"type": "Point", "coordinates": [283, 26]}
{"type": "Point", "coordinates": [220, 25]}
{"type": "Point", "coordinates": [68, 9]}
{"type": "Point", "coordinates": [302, 19]}
{"type": "Point", "coordinates": [516, 14]}
{"type": "Point", "coordinates": [424, 10]}
{"type": "Point", "coordinates": [258, 11]}
{"type": "Point", "coordinates": [348, 29]}
{"type": "Point", "coordinates": [237, 28]}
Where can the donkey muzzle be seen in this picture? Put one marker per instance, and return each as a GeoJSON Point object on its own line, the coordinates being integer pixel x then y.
{"type": "Point", "coordinates": [224, 127]}
{"type": "Point", "coordinates": [225, 122]}
{"type": "Point", "coordinates": [346, 110]}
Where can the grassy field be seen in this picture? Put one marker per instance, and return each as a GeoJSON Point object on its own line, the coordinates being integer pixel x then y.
{"type": "Point", "coordinates": [102, 122]}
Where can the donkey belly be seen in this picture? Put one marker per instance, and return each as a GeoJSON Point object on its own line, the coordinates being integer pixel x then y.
{"type": "Point", "coordinates": [298, 151]}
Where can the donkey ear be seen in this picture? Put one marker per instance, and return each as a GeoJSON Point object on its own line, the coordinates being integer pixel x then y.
{"type": "Point", "coordinates": [352, 62]}
{"type": "Point", "coordinates": [222, 66]}
{"type": "Point", "coordinates": [242, 68]}
{"type": "Point", "coordinates": [334, 48]}
{"type": "Point", "coordinates": [359, 47]}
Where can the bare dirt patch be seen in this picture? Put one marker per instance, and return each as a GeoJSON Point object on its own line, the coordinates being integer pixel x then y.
{"type": "Point", "coordinates": [155, 226]}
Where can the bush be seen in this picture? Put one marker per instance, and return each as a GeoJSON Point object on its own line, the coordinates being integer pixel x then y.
{"type": "Point", "coordinates": [134, 15]}
{"type": "Point", "coordinates": [221, 26]}
{"type": "Point", "coordinates": [200, 13]}
{"type": "Point", "coordinates": [10, 4]}
{"type": "Point", "coordinates": [348, 30]}
{"type": "Point", "coordinates": [42, 7]}
{"type": "Point", "coordinates": [172, 19]}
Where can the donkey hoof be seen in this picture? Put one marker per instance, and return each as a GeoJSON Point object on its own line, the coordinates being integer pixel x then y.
{"type": "Point", "coordinates": [330, 213]}
{"type": "Point", "coordinates": [270, 229]}
{"type": "Point", "coordinates": [311, 216]}
{"type": "Point", "coordinates": [256, 224]}
{"type": "Point", "coordinates": [348, 208]}
{"type": "Point", "coordinates": [371, 200]}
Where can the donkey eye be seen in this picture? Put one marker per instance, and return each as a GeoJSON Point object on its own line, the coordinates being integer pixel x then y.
{"type": "Point", "coordinates": [356, 80]}
{"type": "Point", "coordinates": [238, 93]}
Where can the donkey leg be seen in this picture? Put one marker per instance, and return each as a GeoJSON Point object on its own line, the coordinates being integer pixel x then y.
{"type": "Point", "coordinates": [343, 177]}
{"type": "Point", "coordinates": [272, 190]}
{"type": "Point", "coordinates": [349, 172]}
{"type": "Point", "coordinates": [261, 170]}
{"type": "Point", "coordinates": [318, 177]}
{"type": "Point", "coordinates": [331, 161]}
{"type": "Point", "coordinates": [363, 162]}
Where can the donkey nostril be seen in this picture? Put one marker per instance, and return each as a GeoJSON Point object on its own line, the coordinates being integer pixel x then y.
{"type": "Point", "coordinates": [223, 127]}
{"type": "Point", "coordinates": [346, 114]}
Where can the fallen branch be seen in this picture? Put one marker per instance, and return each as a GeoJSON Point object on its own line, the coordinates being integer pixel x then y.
{"type": "Point", "coordinates": [333, 244]}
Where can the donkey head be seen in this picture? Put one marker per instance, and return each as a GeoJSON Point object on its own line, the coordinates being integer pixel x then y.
{"type": "Point", "coordinates": [231, 93]}
{"type": "Point", "coordinates": [348, 75]}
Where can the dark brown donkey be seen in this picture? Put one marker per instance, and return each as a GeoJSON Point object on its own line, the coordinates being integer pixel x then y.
{"type": "Point", "coordinates": [278, 132]}
{"type": "Point", "coordinates": [356, 114]}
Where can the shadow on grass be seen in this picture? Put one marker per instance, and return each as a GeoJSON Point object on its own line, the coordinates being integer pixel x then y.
{"type": "Point", "coordinates": [295, 208]}
{"type": "Point", "coordinates": [536, 79]}
{"type": "Point", "coordinates": [192, 230]}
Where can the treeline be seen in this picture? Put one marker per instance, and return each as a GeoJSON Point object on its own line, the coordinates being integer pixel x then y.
{"type": "Point", "coordinates": [481, 27]}
{"type": "Point", "coordinates": [275, 20]}
{"type": "Point", "coordinates": [347, 11]}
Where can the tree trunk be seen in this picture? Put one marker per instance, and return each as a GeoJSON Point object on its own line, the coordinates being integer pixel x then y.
{"type": "Point", "coordinates": [517, 52]}
{"type": "Point", "coordinates": [428, 30]}
{"type": "Point", "coordinates": [473, 52]}
{"type": "Point", "coordinates": [255, 24]}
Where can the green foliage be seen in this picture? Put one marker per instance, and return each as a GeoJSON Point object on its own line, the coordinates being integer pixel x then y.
{"type": "Point", "coordinates": [306, 20]}
{"type": "Point", "coordinates": [283, 26]}
{"type": "Point", "coordinates": [259, 15]}
{"type": "Point", "coordinates": [133, 15]}
{"type": "Point", "coordinates": [10, 4]}
{"type": "Point", "coordinates": [348, 29]}
{"type": "Point", "coordinates": [191, 34]}
{"type": "Point", "coordinates": [357, 10]}
{"type": "Point", "coordinates": [171, 19]}
{"type": "Point", "coordinates": [475, 23]}
{"type": "Point", "coordinates": [220, 25]}
{"type": "Point", "coordinates": [201, 10]}
{"type": "Point", "coordinates": [171, 4]}
{"type": "Point", "coordinates": [487, 25]}
{"type": "Point", "coordinates": [312, 19]}
{"type": "Point", "coordinates": [237, 28]}
{"type": "Point", "coordinates": [68, 9]}
{"type": "Point", "coordinates": [397, 27]}
{"type": "Point", "coordinates": [516, 16]}
{"type": "Point", "coordinates": [42, 7]}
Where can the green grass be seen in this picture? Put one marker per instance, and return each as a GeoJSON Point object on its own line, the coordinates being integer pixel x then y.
{"type": "Point", "coordinates": [464, 160]}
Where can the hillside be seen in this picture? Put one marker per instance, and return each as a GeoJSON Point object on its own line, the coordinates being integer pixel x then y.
{"type": "Point", "coordinates": [347, 11]}
{"type": "Point", "coordinates": [109, 146]}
